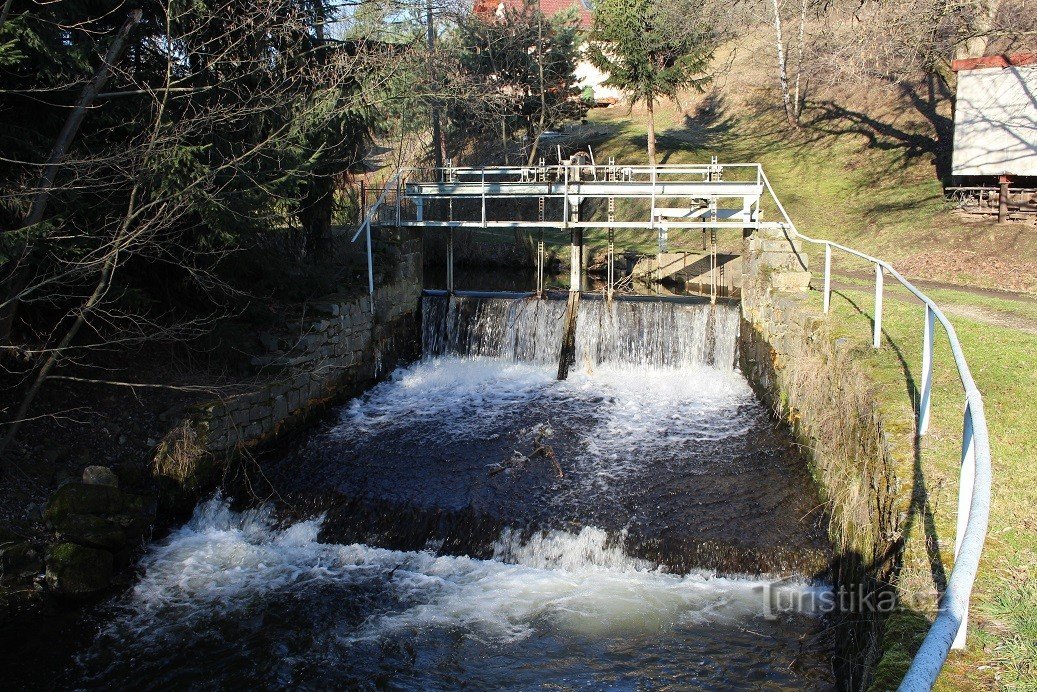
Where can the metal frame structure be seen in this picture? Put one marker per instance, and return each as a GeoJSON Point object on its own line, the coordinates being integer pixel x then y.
{"type": "Point", "coordinates": [704, 188]}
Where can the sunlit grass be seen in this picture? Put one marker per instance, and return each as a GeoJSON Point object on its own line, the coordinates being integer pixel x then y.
{"type": "Point", "coordinates": [878, 202]}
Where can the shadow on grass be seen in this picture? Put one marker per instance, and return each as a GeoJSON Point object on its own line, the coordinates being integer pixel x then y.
{"type": "Point", "coordinates": [900, 633]}
{"type": "Point", "coordinates": [920, 507]}
{"type": "Point", "coordinates": [828, 118]}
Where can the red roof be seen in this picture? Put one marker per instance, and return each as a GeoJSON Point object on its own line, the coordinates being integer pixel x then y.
{"type": "Point", "coordinates": [1001, 61]}
{"type": "Point", "coordinates": [488, 8]}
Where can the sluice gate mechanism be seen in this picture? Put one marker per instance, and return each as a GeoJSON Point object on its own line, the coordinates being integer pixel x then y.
{"type": "Point", "coordinates": [577, 200]}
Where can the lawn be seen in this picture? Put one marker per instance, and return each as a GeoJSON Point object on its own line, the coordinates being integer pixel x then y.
{"type": "Point", "coordinates": [880, 200]}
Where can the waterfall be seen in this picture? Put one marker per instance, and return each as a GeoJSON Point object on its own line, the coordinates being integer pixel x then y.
{"type": "Point", "coordinates": [619, 332]}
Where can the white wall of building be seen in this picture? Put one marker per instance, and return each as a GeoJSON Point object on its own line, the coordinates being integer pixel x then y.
{"type": "Point", "coordinates": [587, 75]}
{"type": "Point", "coordinates": [995, 122]}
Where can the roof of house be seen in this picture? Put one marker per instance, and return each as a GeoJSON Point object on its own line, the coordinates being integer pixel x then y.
{"type": "Point", "coordinates": [584, 8]}
{"type": "Point", "coordinates": [995, 61]}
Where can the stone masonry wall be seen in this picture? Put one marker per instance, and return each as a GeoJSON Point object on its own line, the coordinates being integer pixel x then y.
{"type": "Point", "coordinates": [811, 380]}
{"type": "Point", "coordinates": [341, 349]}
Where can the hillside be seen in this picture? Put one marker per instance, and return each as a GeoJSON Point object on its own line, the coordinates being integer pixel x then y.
{"type": "Point", "coordinates": [865, 170]}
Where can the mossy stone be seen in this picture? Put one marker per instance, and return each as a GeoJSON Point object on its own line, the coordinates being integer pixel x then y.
{"type": "Point", "coordinates": [78, 571]}
{"type": "Point", "coordinates": [89, 530]}
{"type": "Point", "coordinates": [80, 498]}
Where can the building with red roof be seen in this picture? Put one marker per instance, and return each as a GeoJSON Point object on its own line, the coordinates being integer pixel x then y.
{"type": "Point", "coordinates": [495, 8]}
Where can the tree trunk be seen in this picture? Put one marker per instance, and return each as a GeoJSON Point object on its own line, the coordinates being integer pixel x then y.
{"type": "Point", "coordinates": [535, 147]}
{"type": "Point", "coordinates": [975, 46]}
{"type": "Point", "coordinates": [55, 355]}
{"type": "Point", "coordinates": [315, 216]}
{"type": "Point", "coordinates": [438, 145]}
{"type": "Point", "coordinates": [797, 99]}
{"type": "Point", "coordinates": [783, 75]}
{"type": "Point", "coordinates": [75, 119]}
{"type": "Point", "coordinates": [15, 282]}
{"type": "Point", "coordinates": [651, 132]}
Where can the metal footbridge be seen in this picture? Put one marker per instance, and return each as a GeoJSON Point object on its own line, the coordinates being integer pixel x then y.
{"type": "Point", "coordinates": [558, 198]}
{"type": "Point", "coordinates": [715, 198]}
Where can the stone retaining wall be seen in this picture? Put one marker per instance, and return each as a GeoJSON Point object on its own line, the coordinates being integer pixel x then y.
{"type": "Point", "coordinates": [341, 348]}
{"type": "Point", "coordinates": [338, 347]}
{"type": "Point", "coordinates": [811, 380]}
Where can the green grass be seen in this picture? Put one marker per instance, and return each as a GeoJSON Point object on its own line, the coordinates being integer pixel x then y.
{"type": "Point", "coordinates": [883, 202]}
{"type": "Point", "coordinates": [1002, 645]}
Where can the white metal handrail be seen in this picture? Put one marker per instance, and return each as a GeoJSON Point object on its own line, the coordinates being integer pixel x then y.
{"type": "Point", "coordinates": [949, 628]}
{"type": "Point", "coordinates": [365, 227]}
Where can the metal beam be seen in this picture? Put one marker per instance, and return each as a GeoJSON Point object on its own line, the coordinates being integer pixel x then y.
{"type": "Point", "coordinates": [629, 189]}
{"type": "Point", "coordinates": [732, 225]}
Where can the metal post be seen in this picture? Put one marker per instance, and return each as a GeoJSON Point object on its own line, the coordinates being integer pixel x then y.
{"type": "Point", "coordinates": [540, 264]}
{"type": "Point", "coordinates": [419, 208]}
{"type": "Point", "coordinates": [652, 217]}
{"type": "Point", "coordinates": [925, 400]}
{"type": "Point", "coordinates": [450, 260]}
{"type": "Point", "coordinates": [541, 214]}
{"type": "Point", "coordinates": [565, 197]}
{"type": "Point", "coordinates": [370, 265]}
{"type": "Point", "coordinates": [877, 340]}
{"type": "Point", "coordinates": [398, 201]}
{"type": "Point", "coordinates": [483, 188]}
{"type": "Point", "coordinates": [965, 485]}
{"type": "Point", "coordinates": [828, 276]}
{"type": "Point", "coordinates": [576, 274]}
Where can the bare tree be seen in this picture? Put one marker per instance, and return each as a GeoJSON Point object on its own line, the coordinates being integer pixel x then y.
{"type": "Point", "coordinates": [150, 194]}
{"type": "Point", "coordinates": [791, 96]}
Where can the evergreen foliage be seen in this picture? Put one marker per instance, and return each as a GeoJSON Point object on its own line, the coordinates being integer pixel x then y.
{"type": "Point", "coordinates": [652, 49]}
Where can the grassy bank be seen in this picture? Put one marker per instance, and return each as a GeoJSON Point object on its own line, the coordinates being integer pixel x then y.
{"type": "Point", "coordinates": [868, 190]}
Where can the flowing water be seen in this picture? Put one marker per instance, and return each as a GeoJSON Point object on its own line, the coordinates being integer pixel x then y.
{"type": "Point", "coordinates": [473, 522]}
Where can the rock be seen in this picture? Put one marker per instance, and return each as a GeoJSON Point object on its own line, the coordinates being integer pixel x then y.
{"type": "Point", "coordinates": [100, 475]}
{"type": "Point", "coordinates": [269, 341]}
{"type": "Point", "coordinates": [77, 571]}
{"type": "Point", "coordinates": [19, 561]}
{"type": "Point", "coordinates": [89, 530]}
{"type": "Point", "coordinates": [132, 475]}
{"type": "Point", "coordinates": [80, 498]}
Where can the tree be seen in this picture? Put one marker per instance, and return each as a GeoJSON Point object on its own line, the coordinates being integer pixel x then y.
{"type": "Point", "coordinates": [653, 49]}
{"type": "Point", "coordinates": [791, 96]}
{"type": "Point", "coordinates": [523, 64]}
{"type": "Point", "coordinates": [222, 125]}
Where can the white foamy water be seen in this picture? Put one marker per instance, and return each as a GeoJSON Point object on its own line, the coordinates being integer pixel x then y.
{"type": "Point", "coordinates": [630, 412]}
{"type": "Point", "coordinates": [224, 564]}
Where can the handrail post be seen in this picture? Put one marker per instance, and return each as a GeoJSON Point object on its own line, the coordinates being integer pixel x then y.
{"type": "Point", "coordinates": [877, 340]}
{"type": "Point", "coordinates": [370, 265]}
{"type": "Point", "coordinates": [482, 187]}
{"type": "Point", "coordinates": [925, 399]}
{"type": "Point", "coordinates": [398, 201]}
{"type": "Point", "coordinates": [965, 485]}
{"type": "Point", "coordinates": [828, 276]}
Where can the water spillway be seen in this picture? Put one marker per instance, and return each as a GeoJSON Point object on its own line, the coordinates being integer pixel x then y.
{"type": "Point", "coordinates": [474, 521]}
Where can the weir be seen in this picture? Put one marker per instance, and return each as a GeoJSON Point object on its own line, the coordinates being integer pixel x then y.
{"type": "Point", "coordinates": [475, 519]}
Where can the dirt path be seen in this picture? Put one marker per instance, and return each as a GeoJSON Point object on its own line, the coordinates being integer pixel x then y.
{"type": "Point", "coordinates": [998, 318]}
{"type": "Point", "coordinates": [979, 313]}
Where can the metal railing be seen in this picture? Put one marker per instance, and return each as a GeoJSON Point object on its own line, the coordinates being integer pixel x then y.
{"type": "Point", "coordinates": [948, 629]}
